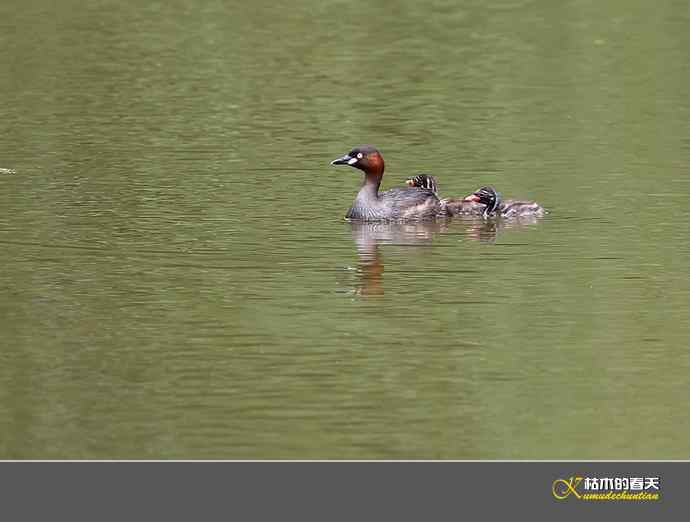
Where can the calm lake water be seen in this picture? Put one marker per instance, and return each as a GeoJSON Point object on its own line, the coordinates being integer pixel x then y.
{"type": "Point", "coordinates": [179, 282]}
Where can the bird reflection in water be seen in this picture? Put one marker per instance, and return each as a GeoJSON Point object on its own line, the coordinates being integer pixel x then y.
{"type": "Point", "coordinates": [368, 238]}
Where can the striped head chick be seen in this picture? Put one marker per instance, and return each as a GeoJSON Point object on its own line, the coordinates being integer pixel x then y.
{"type": "Point", "coordinates": [423, 181]}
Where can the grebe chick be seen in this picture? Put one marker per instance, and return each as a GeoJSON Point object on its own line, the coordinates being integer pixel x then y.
{"type": "Point", "coordinates": [495, 206]}
{"type": "Point", "coordinates": [423, 181]}
{"type": "Point", "coordinates": [449, 206]}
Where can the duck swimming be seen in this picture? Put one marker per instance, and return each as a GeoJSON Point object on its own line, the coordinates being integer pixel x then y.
{"type": "Point", "coordinates": [449, 206]}
{"type": "Point", "coordinates": [494, 206]}
{"type": "Point", "coordinates": [396, 204]}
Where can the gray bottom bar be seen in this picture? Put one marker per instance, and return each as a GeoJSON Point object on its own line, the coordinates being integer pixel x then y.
{"type": "Point", "coordinates": [342, 491]}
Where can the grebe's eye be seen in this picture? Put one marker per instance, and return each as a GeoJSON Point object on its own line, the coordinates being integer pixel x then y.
{"type": "Point", "coordinates": [359, 155]}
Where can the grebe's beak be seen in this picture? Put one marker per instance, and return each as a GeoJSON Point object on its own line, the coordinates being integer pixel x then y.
{"type": "Point", "coordinates": [409, 182]}
{"type": "Point", "coordinates": [344, 160]}
{"type": "Point", "coordinates": [473, 198]}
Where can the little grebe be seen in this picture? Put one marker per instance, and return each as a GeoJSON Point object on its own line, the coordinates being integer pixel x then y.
{"type": "Point", "coordinates": [449, 206]}
{"type": "Point", "coordinates": [423, 181]}
{"type": "Point", "coordinates": [508, 209]}
{"type": "Point", "coordinates": [396, 204]}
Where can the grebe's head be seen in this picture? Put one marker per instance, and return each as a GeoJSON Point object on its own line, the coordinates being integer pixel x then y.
{"type": "Point", "coordinates": [487, 196]}
{"type": "Point", "coordinates": [423, 181]}
{"type": "Point", "coordinates": [364, 157]}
